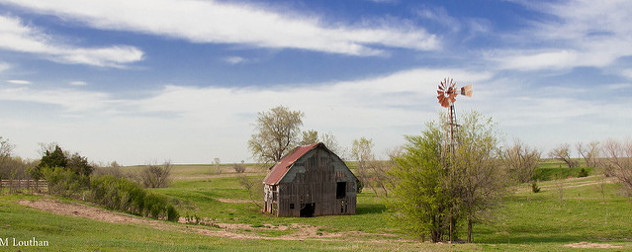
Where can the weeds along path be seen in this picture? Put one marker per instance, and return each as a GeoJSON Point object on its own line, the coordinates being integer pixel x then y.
{"type": "Point", "coordinates": [225, 230]}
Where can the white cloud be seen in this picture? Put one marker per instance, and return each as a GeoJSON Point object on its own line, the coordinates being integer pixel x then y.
{"type": "Point", "coordinates": [440, 15]}
{"type": "Point", "coordinates": [19, 82]}
{"type": "Point", "coordinates": [627, 73]}
{"type": "Point", "coordinates": [195, 122]}
{"type": "Point", "coordinates": [619, 86]}
{"type": "Point", "coordinates": [78, 83]}
{"type": "Point", "coordinates": [16, 36]}
{"type": "Point", "coordinates": [4, 66]}
{"type": "Point", "coordinates": [68, 99]}
{"type": "Point", "coordinates": [234, 60]}
{"type": "Point", "coordinates": [581, 34]}
{"type": "Point", "coordinates": [256, 25]}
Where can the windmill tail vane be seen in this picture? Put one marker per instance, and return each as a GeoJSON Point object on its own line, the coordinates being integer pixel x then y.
{"type": "Point", "coordinates": [467, 90]}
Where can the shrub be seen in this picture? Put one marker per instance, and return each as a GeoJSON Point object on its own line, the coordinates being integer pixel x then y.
{"type": "Point", "coordinates": [172, 214]}
{"type": "Point", "coordinates": [534, 187]}
{"type": "Point", "coordinates": [64, 182]}
{"type": "Point", "coordinates": [239, 168]}
{"type": "Point", "coordinates": [582, 173]}
{"type": "Point", "coordinates": [125, 195]}
{"type": "Point", "coordinates": [155, 206]}
{"type": "Point", "coordinates": [156, 176]}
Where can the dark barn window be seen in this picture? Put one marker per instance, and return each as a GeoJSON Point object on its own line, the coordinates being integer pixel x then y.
{"type": "Point", "coordinates": [341, 190]}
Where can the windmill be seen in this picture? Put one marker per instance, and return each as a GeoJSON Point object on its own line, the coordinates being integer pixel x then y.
{"type": "Point", "coordinates": [447, 93]}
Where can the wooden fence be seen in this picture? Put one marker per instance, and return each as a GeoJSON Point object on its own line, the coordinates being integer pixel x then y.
{"type": "Point", "coordinates": [23, 184]}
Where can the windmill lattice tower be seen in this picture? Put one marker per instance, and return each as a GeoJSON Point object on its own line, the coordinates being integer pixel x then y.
{"type": "Point", "coordinates": [447, 93]}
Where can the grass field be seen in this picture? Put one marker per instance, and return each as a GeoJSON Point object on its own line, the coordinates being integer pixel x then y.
{"type": "Point", "coordinates": [584, 217]}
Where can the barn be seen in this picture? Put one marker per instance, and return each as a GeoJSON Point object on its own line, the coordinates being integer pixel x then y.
{"type": "Point", "coordinates": [310, 181]}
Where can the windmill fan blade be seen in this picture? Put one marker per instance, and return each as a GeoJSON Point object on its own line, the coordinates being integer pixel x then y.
{"type": "Point", "coordinates": [440, 93]}
{"type": "Point", "coordinates": [440, 87]}
{"type": "Point", "coordinates": [467, 90]}
{"type": "Point", "coordinates": [443, 100]}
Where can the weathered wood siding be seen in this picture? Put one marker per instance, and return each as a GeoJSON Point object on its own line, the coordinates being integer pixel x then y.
{"type": "Point", "coordinates": [312, 182]}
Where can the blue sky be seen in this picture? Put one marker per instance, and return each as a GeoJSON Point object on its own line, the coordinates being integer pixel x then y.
{"type": "Point", "coordinates": [148, 81]}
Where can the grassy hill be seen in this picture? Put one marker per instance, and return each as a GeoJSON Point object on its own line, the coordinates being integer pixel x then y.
{"type": "Point", "coordinates": [582, 216]}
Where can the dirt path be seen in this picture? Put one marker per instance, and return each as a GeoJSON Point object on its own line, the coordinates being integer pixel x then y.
{"type": "Point", "coordinates": [591, 245]}
{"type": "Point", "coordinates": [226, 230]}
{"type": "Point", "coordinates": [232, 200]}
{"type": "Point", "coordinates": [570, 183]}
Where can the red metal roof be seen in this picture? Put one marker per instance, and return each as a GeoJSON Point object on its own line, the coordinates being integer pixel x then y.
{"type": "Point", "coordinates": [280, 168]}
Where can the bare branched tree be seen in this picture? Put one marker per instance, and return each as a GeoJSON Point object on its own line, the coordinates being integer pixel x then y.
{"type": "Point", "coordinates": [590, 153]}
{"type": "Point", "coordinates": [5, 157]}
{"type": "Point", "coordinates": [254, 188]}
{"type": "Point", "coordinates": [618, 161]}
{"type": "Point", "coordinates": [480, 179]}
{"type": "Point", "coordinates": [239, 168]}
{"type": "Point", "coordinates": [277, 133]}
{"type": "Point", "coordinates": [156, 176]}
{"type": "Point", "coordinates": [521, 160]}
{"type": "Point", "coordinates": [362, 152]}
{"type": "Point", "coordinates": [332, 144]}
{"type": "Point", "coordinates": [562, 153]}
{"type": "Point", "coordinates": [217, 162]}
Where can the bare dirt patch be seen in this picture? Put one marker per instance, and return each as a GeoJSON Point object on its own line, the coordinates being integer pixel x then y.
{"type": "Point", "coordinates": [232, 200]}
{"type": "Point", "coordinates": [84, 211]}
{"type": "Point", "coordinates": [591, 245]}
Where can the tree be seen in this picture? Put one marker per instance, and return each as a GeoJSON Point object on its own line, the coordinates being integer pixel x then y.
{"type": "Point", "coordinates": [277, 133]}
{"type": "Point", "coordinates": [521, 160]}
{"type": "Point", "coordinates": [52, 157]}
{"type": "Point", "coordinates": [5, 150]}
{"type": "Point", "coordinates": [217, 162]}
{"type": "Point", "coordinates": [618, 161]}
{"type": "Point", "coordinates": [418, 199]}
{"type": "Point", "coordinates": [589, 153]}
{"type": "Point", "coordinates": [332, 144]}
{"type": "Point", "coordinates": [312, 137]}
{"type": "Point", "coordinates": [309, 137]}
{"type": "Point", "coordinates": [5, 157]}
{"type": "Point", "coordinates": [432, 191]}
{"type": "Point", "coordinates": [480, 179]}
{"type": "Point", "coordinates": [253, 187]}
{"type": "Point", "coordinates": [362, 152]}
{"type": "Point", "coordinates": [79, 165]}
{"type": "Point", "coordinates": [562, 153]}
{"type": "Point", "coordinates": [156, 176]}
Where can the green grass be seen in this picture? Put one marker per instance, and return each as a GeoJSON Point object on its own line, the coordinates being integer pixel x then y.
{"type": "Point", "coordinates": [551, 169]}
{"type": "Point", "coordinates": [525, 222]}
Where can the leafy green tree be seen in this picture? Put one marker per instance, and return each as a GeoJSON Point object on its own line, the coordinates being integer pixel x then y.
{"type": "Point", "coordinates": [418, 200]}
{"type": "Point", "coordinates": [79, 165]}
{"type": "Point", "coordinates": [55, 158]}
{"type": "Point", "coordinates": [51, 159]}
{"type": "Point", "coordinates": [433, 188]}
{"type": "Point", "coordinates": [277, 133]}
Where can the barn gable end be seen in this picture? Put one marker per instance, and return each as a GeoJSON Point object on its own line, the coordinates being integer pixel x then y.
{"type": "Point", "coordinates": [310, 181]}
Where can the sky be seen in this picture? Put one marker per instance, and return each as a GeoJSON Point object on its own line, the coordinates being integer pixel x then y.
{"type": "Point", "coordinates": [183, 80]}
